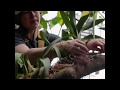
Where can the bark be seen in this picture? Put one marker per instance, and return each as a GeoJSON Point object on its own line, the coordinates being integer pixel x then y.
{"type": "Point", "coordinates": [77, 70]}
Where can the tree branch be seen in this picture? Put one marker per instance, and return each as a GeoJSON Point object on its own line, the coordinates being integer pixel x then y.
{"type": "Point", "coordinates": [77, 71]}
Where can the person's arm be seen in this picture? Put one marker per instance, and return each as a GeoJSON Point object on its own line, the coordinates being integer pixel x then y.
{"type": "Point", "coordinates": [71, 46]}
{"type": "Point", "coordinates": [33, 53]}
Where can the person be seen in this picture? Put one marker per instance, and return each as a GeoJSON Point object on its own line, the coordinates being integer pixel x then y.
{"type": "Point", "coordinates": [26, 39]}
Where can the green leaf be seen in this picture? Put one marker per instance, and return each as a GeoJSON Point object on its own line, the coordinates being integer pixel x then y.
{"type": "Point", "coordinates": [91, 37]}
{"type": "Point", "coordinates": [73, 21]}
{"type": "Point", "coordinates": [17, 56]}
{"type": "Point", "coordinates": [67, 22]}
{"type": "Point", "coordinates": [49, 47]}
{"type": "Point", "coordinates": [19, 59]}
{"type": "Point", "coordinates": [65, 33]}
{"type": "Point", "coordinates": [44, 12]}
{"type": "Point", "coordinates": [91, 13]}
{"type": "Point", "coordinates": [57, 51]}
{"type": "Point", "coordinates": [54, 21]}
{"type": "Point", "coordinates": [43, 23]}
{"type": "Point", "coordinates": [46, 64]}
{"type": "Point", "coordinates": [43, 36]}
{"type": "Point", "coordinates": [89, 25]}
{"type": "Point", "coordinates": [20, 76]}
{"type": "Point", "coordinates": [61, 20]}
{"type": "Point", "coordinates": [81, 22]}
{"type": "Point", "coordinates": [103, 28]}
{"type": "Point", "coordinates": [30, 67]}
{"type": "Point", "coordinates": [34, 74]}
{"type": "Point", "coordinates": [84, 13]}
{"type": "Point", "coordinates": [20, 62]}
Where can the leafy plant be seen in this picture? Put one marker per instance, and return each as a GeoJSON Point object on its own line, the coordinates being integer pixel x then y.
{"type": "Point", "coordinates": [76, 28]}
{"type": "Point", "coordinates": [73, 30]}
{"type": "Point", "coordinates": [28, 71]}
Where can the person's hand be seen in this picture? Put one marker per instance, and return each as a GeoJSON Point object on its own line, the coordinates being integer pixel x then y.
{"type": "Point", "coordinates": [96, 44]}
{"type": "Point", "coordinates": [75, 46]}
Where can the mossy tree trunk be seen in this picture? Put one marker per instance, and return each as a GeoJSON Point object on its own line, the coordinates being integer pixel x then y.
{"type": "Point", "coordinates": [76, 70]}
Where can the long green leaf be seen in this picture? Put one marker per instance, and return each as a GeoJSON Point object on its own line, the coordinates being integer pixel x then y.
{"type": "Point", "coordinates": [61, 20]}
{"type": "Point", "coordinates": [73, 21]}
{"type": "Point", "coordinates": [103, 28]}
{"type": "Point", "coordinates": [43, 36]}
{"type": "Point", "coordinates": [24, 59]}
{"type": "Point", "coordinates": [67, 22]}
{"type": "Point", "coordinates": [54, 21]}
{"type": "Point", "coordinates": [42, 69]}
{"type": "Point", "coordinates": [81, 22]}
{"type": "Point", "coordinates": [43, 23]}
{"type": "Point", "coordinates": [34, 74]}
{"type": "Point", "coordinates": [91, 37]}
{"type": "Point", "coordinates": [20, 59]}
{"type": "Point", "coordinates": [44, 12]}
{"type": "Point", "coordinates": [66, 35]}
{"type": "Point", "coordinates": [46, 64]}
{"type": "Point", "coordinates": [49, 47]}
{"type": "Point", "coordinates": [17, 56]}
{"type": "Point", "coordinates": [89, 25]}
{"type": "Point", "coordinates": [57, 51]}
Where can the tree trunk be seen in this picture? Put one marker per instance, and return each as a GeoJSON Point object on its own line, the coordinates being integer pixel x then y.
{"type": "Point", "coordinates": [76, 70]}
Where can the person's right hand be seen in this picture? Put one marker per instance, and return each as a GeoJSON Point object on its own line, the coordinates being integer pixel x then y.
{"type": "Point", "coordinates": [75, 46]}
{"type": "Point", "coordinates": [94, 43]}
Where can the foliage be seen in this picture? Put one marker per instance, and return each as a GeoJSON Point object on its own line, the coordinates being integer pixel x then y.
{"type": "Point", "coordinates": [77, 28]}
{"type": "Point", "coordinates": [73, 30]}
{"type": "Point", "coordinates": [74, 26]}
{"type": "Point", "coordinates": [28, 71]}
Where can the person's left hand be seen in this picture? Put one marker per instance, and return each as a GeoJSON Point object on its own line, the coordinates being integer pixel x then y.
{"type": "Point", "coordinates": [97, 44]}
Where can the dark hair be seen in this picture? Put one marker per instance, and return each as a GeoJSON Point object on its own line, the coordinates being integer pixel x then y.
{"type": "Point", "coordinates": [21, 29]}
{"type": "Point", "coordinates": [18, 19]}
